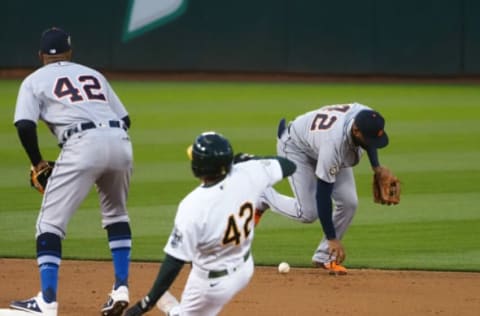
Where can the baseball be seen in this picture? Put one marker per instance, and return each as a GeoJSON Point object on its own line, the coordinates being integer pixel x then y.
{"type": "Point", "coordinates": [283, 267]}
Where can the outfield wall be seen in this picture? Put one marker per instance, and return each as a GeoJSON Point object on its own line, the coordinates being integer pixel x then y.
{"type": "Point", "coordinates": [381, 37]}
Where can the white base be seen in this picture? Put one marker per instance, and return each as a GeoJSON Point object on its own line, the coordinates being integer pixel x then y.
{"type": "Point", "coordinates": [13, 312]}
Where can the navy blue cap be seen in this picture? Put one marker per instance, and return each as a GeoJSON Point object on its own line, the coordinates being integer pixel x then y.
{"type": "Point", "coordinates": [371, 124]}
{"type": "Point", "coordinates": [55, 41]}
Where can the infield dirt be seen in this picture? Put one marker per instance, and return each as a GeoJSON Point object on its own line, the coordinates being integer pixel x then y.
{"type": "Point", "coordinates": [84, 286]}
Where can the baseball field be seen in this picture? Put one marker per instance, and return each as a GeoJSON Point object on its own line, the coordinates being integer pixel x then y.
{"type": "Point", "coordinates": [434, 131]}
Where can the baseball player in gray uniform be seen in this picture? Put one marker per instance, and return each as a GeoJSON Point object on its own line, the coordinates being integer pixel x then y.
{"type": "Point", "coordinates": [89, 121]}
{"type": "Point", "coordinates": [213, 229]}
{"type": "Point", "coordinates": [325, 144]}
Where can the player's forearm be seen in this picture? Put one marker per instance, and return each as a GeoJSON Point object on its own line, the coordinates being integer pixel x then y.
{"type": "Point", "coordinates": [373, 157]}
{"type": "Point", "coordinates": [288, 166]}
{"type": "Point", "coordinates": [169, 270]}
{"type": "Point", "coordinates": [27, 132]}
{"type": "Point", "coordinates": [324, 208]}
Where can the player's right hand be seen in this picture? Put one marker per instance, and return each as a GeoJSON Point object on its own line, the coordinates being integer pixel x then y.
{"type": "Point", "coordinates": [135, 310]}
{"type": "Point", "coordinates": [41, 165]}
{"type": "Point", "coordinates": [40, 174]}
{"type": "Point", "coordinates": [335, 249]}
{"type": "Point", "coordinates": [140, 308]}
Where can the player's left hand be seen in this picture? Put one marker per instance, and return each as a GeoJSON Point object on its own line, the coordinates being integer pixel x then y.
{"type": "Point", "coordinates": [40, 173]}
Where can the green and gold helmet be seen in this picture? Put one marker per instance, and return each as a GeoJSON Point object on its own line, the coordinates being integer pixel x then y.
{"type": "Point", "coordinates": [211, 155]}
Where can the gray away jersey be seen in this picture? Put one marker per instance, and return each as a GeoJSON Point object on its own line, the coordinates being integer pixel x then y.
{"type": "Point", "coordinates": [324, 135]}
{"type": "Point", "coordinates": [63, 94]}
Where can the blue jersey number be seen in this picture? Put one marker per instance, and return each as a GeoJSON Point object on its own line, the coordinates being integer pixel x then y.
{"type": "Point", "coordinates": [325, 121]}
{"type": "Point", "coordinates": [89, 84]}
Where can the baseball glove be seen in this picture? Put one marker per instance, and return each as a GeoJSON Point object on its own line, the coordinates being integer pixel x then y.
{"type": "Point", "coordinates": [39, 179]}
{"type": "Point", "coordinates": [386, 187]}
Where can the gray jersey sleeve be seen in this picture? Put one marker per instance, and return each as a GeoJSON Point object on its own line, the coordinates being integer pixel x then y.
{"type": "Point", "coordinates": [28, 106]}
{"type": "Point", "coordinates": [114, 101]}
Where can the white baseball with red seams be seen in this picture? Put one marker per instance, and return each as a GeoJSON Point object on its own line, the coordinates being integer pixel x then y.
{"type": "Point", "coordinates": [283, 267]}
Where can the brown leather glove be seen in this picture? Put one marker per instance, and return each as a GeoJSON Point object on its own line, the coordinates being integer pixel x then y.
{"type": "Point", "coordinates": [386, 187]}
{"type": "Point", "coordinates": [39, 175]}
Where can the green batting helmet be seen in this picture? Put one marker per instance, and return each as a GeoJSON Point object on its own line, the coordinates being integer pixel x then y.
{"type": "Point", "coordinates": [211, 155]}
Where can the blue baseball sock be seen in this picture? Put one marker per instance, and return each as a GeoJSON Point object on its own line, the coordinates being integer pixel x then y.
{"type": "Point", "coordinates": [49, 256]}
{"type": "Point", "coordinates": [121, 262]}
{"type": "Point", "coordinates": [49, 279]}
{"type": "Point", "coordinates": [120, 243]}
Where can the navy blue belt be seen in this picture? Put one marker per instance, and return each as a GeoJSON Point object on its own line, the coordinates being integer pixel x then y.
{"type": "Point", "coordinates": [219, 273]}
{"type": "Point", "coordinates": [89, 125]}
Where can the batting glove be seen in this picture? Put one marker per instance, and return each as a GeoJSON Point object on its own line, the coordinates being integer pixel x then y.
{"type": "Point", "coordinates": [140, 308]}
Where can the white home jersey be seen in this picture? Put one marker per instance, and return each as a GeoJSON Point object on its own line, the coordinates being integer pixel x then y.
{"type": "Point", "coordinates": [65, 93]}
{"type": "Point", "coordinates": [323, 135]}
{"type": "Point", "coordinates": [214, 225]}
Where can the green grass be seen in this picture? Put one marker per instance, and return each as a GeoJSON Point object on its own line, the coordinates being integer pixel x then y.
{"type": "Point", "coordinates": [434, 148]}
